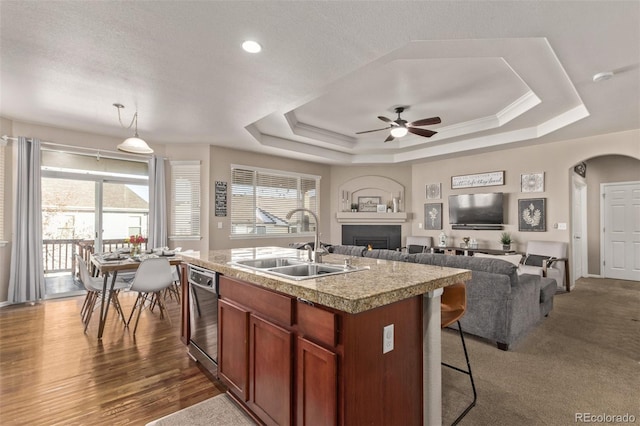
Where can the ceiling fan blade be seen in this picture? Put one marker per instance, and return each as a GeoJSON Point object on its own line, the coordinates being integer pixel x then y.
{"type": "Point", "coordinates": [369, 131]}
{"type": "Point", "coordinates": [389, 138]}
{"type": "Point", "coordinates": [421, 132]}
{"type": "Point", "coordinates": [426, 121]}
{"type": "Point", "coordinates": [387, 120]}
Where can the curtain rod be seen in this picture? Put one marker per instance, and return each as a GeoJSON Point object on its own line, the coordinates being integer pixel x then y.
{"type": "Point", "coordinates": [94, 150]}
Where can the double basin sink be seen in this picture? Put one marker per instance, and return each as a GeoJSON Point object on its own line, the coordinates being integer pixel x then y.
{"type": "Point", "coordinates": [294, 269]}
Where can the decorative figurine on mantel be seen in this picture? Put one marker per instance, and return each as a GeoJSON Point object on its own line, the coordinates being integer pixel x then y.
{"type": "Point", "coordinates": [442, 240]}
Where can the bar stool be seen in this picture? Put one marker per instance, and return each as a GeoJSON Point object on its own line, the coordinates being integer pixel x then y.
{"type": "Point", "coordinates": [453, 305]}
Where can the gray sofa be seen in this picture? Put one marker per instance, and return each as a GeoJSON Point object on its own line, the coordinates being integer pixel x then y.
{"type": "Point", "coordinates": [502, 305]}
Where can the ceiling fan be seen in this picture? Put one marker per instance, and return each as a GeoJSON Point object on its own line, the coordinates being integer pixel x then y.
{"type": "Point", "coordinates": [400, 127]}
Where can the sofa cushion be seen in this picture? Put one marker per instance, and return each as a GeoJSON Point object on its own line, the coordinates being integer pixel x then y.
{"type": "Point", "coordinates": [386, 254]}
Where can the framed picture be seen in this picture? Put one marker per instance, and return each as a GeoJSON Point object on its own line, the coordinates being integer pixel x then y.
{"type": "Point", "coordinates": [532, 215]}
{"type": "Point", "coordinates": [381, 208]}
{"type": "Point", "coordinates": [532, 182]}
{"type": "Point", "coordinates": [369, 204]}
{"type": "Point", "coordinates": [434, 191]}
{"type": "Point", "coordinates": [433, 216]}
{"type": "Point", "coordinates": [477, 180]}
{"type": "Point", "coordinates": [220, 198]}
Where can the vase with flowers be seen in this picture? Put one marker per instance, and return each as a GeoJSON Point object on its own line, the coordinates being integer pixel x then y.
{"type": "Point", "coordinates": [134, 242]}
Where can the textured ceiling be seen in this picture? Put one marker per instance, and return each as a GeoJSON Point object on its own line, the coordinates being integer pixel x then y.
{"type": "Point", "coordinates": [497, 73]}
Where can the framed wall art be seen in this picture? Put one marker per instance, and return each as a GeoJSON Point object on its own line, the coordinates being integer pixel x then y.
{"type": "Point", "coordinates": [434, 191]}
{"type": "Point", "coordinates": [477, 180]}
{"type": "Point", "coordinates": [532, 182]}
{"type": "Point", "coordinates": [532, 215]}
{"type": "Point", "coordinates": [220, 198]}
{"type": "Point", "coordinates": [433, 216]}
{"type": "Point", "coordinates": [369, 204]}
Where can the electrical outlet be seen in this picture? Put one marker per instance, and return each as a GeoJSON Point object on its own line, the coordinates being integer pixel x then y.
{"type": "Point", "coordinates": [387, 339]}
{"type": "Point", "coordinates": [219, 225]}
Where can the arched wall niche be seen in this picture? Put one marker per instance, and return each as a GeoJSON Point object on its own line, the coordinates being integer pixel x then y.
{"type": "Point", "coordinates": [370, 186]}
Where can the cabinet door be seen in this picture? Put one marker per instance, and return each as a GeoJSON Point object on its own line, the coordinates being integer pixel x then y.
{"type": "Point", "coordinates": [270, 372]}
{"type": "Point", "coordinates": [233, 348]}
{"type": "Point", "coordinates": [316, 385]}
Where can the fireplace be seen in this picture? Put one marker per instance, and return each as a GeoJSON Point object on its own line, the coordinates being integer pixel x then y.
{"type": "Point", "coordinates": [378, 236]}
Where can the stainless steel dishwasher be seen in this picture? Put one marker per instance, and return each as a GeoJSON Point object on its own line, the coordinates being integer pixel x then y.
{"type": "Point", "coordinates": [203, 317]}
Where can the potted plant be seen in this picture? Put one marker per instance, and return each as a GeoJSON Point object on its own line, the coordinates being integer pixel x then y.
{"type": "Point", "coordinates": [354, 207]}
{"type": "Point", "coordinates": [505, 240]}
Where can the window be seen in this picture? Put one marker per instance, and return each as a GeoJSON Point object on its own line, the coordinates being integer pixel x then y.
{"type": "Point", "coordinates": [2, 203]}
{"type": "Point", "coordinates": [185, 200]}
{"type": "Point", "coordinates": [261, 199]}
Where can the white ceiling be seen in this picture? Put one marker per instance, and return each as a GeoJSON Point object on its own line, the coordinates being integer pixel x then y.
{"type": "Point", "coordinates": [497, 73]}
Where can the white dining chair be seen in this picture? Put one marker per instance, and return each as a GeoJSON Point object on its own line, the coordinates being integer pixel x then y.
{"type": "Point", "coordinates": [152, 277]}
{"type": "Point", "coordinates": [93, 286]}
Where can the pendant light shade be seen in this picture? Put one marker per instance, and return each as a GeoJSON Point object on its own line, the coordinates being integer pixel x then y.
{"type": "Point", "coordinates": [134, 145]}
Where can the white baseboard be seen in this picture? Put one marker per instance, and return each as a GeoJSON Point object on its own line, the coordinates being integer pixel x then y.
{"type": "Point", "coordinates": [3, 304]}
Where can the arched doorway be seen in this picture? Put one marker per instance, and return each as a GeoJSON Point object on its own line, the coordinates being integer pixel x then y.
{"type": "Point", "coordinates": [588, 250]}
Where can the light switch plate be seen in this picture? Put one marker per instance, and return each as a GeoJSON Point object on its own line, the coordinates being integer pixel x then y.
{"type": "Point", "coordinates": [387, 339]}
{"type": "Point", "coordinates": [562, 226]}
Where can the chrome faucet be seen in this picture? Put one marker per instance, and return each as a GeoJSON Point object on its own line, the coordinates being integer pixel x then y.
{"type": "Point", "coordinates": [318, 251]}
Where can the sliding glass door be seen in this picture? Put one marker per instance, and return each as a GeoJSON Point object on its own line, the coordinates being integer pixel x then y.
{"type": "Point", "coordinates": [86, 211]}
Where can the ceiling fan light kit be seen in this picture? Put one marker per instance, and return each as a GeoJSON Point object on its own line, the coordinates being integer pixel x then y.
{"type": "Point", "coordinates": [133, 145]}
{"type": "Point", "coordinates": [400, 127]}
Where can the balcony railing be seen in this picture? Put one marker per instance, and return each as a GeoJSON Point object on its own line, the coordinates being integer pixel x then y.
{"type": "Point", "coordinates": [59, 255]}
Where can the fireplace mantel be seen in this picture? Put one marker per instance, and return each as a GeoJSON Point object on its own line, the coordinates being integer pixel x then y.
{"type": "Point", "coordinates": [373, 217]}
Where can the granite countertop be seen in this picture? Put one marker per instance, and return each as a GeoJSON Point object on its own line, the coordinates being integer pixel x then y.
{"type": "Point", "coordinates": [381, 283]}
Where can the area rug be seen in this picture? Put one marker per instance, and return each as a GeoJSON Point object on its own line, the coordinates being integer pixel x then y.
{"type": "Point", "coordinates": [219, 410]}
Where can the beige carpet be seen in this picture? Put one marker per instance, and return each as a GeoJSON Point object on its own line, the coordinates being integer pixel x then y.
{"type": "Point", "coordinates": [219, 410]}
{"type": "Point", "coordinates": [583, 358]}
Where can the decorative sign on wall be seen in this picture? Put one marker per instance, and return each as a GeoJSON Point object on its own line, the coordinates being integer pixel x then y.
{"type": "Point", "coordinates": [433, 216]}
{"type": "Point", "coordinates": [532, 215]}
{"type": "Point", "coordinates": [476, 180]}
{"type": "Point", "coordinates": [221, 198]}
{"type": "Point", "coordinates": [532, 182]}
{"type": "Point", "coordinates": [433, 191]}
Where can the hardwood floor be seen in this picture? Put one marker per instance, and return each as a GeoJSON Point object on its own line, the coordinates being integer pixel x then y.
{"type": "Point", "coordinates": [53, 373]}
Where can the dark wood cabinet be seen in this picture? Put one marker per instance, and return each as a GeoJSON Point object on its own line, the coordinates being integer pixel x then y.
{"type": "Point", "coordinates": [270, 372]}
{"type": "Point", "coordinates": [233, 348]}
{"type": "Point", "coordinates": [290, 362]}
{"type": "Point", "coordinates": [316, 384]}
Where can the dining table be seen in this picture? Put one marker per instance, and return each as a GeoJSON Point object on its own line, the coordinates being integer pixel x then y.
{"type": "Point", "coordinates": [109, 264]}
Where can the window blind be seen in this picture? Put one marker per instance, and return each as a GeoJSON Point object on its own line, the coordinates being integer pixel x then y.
{"type": "Point", "coordinates": [185, 199]}
{"type": "Point", "coordinates": [261, 199]}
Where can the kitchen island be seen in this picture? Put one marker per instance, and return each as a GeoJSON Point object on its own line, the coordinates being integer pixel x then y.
{"type": "Point", "coordinates": [361, 347]}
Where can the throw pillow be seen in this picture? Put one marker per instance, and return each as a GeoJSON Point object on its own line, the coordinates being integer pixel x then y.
{"type": "Point", "coordinates": [535, 260]}
{"type": "Point", "coordinates": [512, 258]}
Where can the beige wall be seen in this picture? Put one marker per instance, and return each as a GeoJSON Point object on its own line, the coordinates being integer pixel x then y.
{"type": "Point", "coordinates": [556, 160]}
{"type": "Point", "coordinates": [605, 169]}
{"type": "Point", "coordinates": [221, 160]}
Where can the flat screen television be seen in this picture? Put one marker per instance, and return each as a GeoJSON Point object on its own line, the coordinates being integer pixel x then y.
{"type": "Point", "coordinates": [476, 209]}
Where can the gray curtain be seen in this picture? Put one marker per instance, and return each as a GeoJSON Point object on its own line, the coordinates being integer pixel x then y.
{"type": "Point", "coordinates": [26, 278]}
{"type": "Point", "coordinates": [157, 203]}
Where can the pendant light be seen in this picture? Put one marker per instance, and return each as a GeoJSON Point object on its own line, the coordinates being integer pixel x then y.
{"type": "Point", "coordinates": [134, 145]}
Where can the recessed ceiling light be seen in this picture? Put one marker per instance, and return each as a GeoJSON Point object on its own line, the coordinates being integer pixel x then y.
{"type": "Point", "coordinates": [251, 46]}
{"type": "Point", "coordinates": [602, 76]}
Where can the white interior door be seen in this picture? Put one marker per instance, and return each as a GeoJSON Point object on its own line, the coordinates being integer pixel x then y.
{"type": "Point", "coordinates": [579, 228]}
{"type": "Point", "coordinates": [621, 230]}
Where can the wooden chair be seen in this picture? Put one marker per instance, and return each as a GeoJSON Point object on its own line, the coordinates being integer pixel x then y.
{"type": "Point", "coordinates": [453, 305]}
